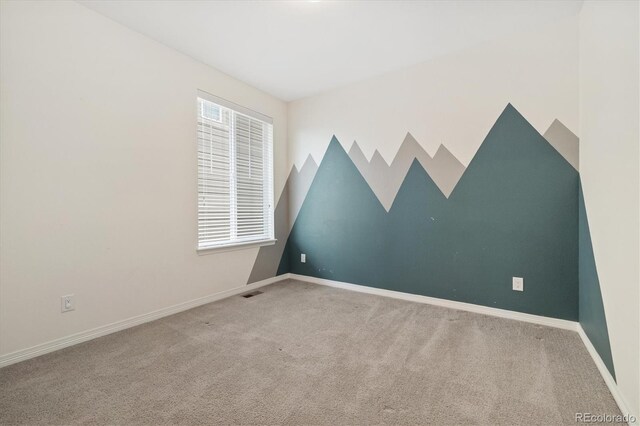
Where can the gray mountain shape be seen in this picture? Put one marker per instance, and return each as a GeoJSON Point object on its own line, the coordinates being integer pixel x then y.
{"type": "Point", "coordinates": [287, 208]}
{"type": "Point", "coordinates": [297, 186]}
{"type": "Point", "coordinates": [385, 179]}
{"type": "Point", "coordinates": [565, 142]}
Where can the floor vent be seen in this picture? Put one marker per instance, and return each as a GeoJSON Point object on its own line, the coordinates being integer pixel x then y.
{"type": "Point", "coordinates": [253, 293]}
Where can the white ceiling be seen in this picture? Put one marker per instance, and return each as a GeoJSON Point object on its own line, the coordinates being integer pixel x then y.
{"type": "Point", "coordinates": [293, 49]}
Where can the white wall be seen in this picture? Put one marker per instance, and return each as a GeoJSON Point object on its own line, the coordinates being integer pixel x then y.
{"type": "Point", "coordinates": [453, 100]}
{"type": "Point", "coordinates": [609, 156]}
{"type": "Point", "coordinates": [98, 173]}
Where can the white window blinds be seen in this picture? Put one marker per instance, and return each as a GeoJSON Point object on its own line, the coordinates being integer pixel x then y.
{"type": "Point", "coordinates": [235, 175]}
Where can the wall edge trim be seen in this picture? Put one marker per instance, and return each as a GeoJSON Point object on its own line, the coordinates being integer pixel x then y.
{"type": "Point", "coordinates": [452, 304]}
{"type": "Point", "coordinates": [606, 376]}
{"type": "Point", "coordinates": [84, 336]}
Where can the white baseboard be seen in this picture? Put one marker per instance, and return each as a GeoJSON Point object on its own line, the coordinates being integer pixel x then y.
{"type": "Point", "coordinates": [83, 336]}
{"type": "Point", "coordinates": [469, 307]}
{"type": "Point", "coordinates": [608, 378]}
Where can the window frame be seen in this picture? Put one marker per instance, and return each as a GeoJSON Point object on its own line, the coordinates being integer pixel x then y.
{"type": "Point", "coordinates": [235, 245]}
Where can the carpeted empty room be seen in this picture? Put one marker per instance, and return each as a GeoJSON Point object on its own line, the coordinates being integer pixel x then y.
{"type": "Point", "coordinates": [319, 212]}
{"type": "Point", "coordinates": [302, 353]}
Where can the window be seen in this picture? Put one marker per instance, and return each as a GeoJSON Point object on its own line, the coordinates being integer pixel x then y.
{"type": "Point", "coordinates": [235, 175]}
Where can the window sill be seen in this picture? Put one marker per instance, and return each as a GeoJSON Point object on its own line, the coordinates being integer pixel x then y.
{"type": "Point", "coordinates": [234, 247]}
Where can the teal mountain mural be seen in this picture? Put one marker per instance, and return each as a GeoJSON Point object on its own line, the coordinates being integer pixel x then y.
{"type": "Point", "coordinates": [592, 315]}
{"type": "Point", "coordinates": [512, 213]}
{"type": "Point", "coordinates": [385, 181]}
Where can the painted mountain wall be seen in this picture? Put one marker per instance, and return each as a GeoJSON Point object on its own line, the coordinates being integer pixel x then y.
{"type": "Point", "coordinates": [385, 179]}
{"type": "Point", "coordinates": [512, 213]}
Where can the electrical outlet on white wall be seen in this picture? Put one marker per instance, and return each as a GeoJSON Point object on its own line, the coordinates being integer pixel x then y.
{"type": "Point", "coordinates": [518, 284]}
{"type": "Point", "coordinates": [68, 303]}
{"type": "Point", "coordinates": [303, 258]}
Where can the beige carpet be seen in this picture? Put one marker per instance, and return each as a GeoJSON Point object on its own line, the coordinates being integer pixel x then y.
{"type": "Point", "coordinates": [307, 354]}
